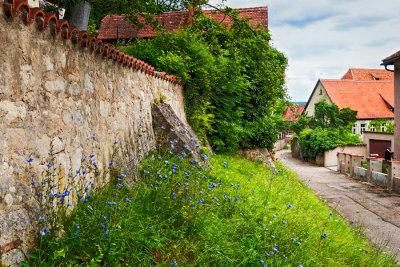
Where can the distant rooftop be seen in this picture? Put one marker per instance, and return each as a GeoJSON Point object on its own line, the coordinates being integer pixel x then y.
{"type": "Point", "coordinates": [368, 74]}
{"type": "Point", "coordinates": [292, 111]}
{"type": "Point", "coordinates": [115, 27]}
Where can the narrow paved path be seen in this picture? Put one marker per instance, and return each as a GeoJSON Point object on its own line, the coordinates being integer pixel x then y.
{"type": "Point", "coordinates": [372, 208]}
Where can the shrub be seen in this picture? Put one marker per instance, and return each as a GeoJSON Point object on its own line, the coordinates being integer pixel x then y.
{"type": "Point", "coordinates": [233, 79]}
{"type": "Point", "coordinates": [316, 141]}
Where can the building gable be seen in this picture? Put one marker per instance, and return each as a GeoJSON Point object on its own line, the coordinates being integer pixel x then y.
{"type": "Point", "coordinates": [319, 93]}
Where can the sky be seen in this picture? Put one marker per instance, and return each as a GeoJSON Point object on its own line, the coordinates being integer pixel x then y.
{"type": "Point", "coordinates": [323, 39]}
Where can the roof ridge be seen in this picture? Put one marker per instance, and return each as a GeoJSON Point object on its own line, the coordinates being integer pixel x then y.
{"type": "Point", "coordinates": [351, 80]}
{"type": "Point", "coordinates": [46, 20]}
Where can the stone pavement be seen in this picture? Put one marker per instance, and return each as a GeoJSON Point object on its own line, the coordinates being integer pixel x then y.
{"type": "Point", "coordinates": [373, 209]}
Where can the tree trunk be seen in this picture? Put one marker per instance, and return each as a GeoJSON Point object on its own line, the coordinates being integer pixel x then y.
{"type": "Point", "coordinates": [79, 16]}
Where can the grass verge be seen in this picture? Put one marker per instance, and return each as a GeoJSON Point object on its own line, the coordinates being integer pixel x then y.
{"type": "Point", "coordinates": [238, 213]}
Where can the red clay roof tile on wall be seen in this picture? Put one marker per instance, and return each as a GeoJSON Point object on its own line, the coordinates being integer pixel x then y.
{"type": "Point", "coordinates": [118, 27]}
{"type": "Point", "coordinates": [367, 97]}
{"type": "Point", "coordinates": [14, 8]}
{"type": "Point", "coordinates": [368, 74]}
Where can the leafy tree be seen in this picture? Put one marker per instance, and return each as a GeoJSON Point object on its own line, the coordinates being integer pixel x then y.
{"type": "Point", "coordinates": [329, 127]}
{"type": "Point", "coordinates": [326, 116]}
{"type": "Point", "coordinates": [233, 69]}
{"type": "Point", "coordinates": [329, 115]}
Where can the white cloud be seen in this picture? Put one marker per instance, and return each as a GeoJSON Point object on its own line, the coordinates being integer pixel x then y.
{"type": "Point", "coordinates": [322, 39]}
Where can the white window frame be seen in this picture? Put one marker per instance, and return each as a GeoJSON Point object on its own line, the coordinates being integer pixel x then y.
{"type": "Point", "coordinates": [373, 129]}
{"type": "Point", "coordinates": [362, 127]}
{"type": "Point", "coordinates": [354, 129]}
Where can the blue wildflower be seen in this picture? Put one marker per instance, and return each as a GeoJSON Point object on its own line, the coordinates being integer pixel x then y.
{"type": "Point", "coordinates": [324, 235]}
{"type": "Point", "coordinates": [116, 142]}
{"type": "Point", "coordinates": [76, 234]}
{"type": "Point", "coordinates": [77, 226]}
{"type": "Point", "coordinates": [128, 200]}
{"type": "Point", "coordinates": [174, 263]}
{"type": "Point", "coordinates": [106, 233]}
{"type": "Point", "coordinates": [42, 233]}
{"type": "Point", "coordinates": [94, 163]}
{"type": "Point", "coordinates": [103, 226]}
{"type": "Point", "coordinates": [48, 165]}
{"type": "Point", "coordinates": [289, 206]}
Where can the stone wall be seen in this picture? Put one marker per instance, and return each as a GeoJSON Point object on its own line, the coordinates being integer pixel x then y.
{"type": "Point", "coordinates": [56, 93]}
{"type": "Point", "coordinates": [259, 154]}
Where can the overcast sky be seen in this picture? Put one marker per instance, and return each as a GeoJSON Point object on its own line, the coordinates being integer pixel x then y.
{"type": "Point", "coordinates": [323, 39]}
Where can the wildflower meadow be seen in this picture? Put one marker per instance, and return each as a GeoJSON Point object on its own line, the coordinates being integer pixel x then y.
{"type": "Point", "coordinates": [169, 210]}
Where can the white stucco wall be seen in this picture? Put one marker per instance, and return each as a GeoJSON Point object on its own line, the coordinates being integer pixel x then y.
{"type": "Point", "coordinates": [330, 156]}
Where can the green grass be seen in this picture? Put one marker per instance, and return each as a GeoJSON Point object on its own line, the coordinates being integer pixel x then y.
{"type": "Point", "coordinates": [245, 211]}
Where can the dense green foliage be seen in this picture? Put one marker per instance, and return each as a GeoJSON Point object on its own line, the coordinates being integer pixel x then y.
{"type": "Point", "coordinates": [233, 79]}
{"type": "Point", "coordinates": [388, 123]}
{"type": "Point", "coordinates": [329, 127]}
{"type": "Point", "coordinates": [238, 214]}
{"type": "Point", "coordinates": [316, 141]}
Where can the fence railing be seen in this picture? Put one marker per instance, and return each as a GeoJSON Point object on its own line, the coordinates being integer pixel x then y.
{"type": "Point", "coordinates": [374, 170]}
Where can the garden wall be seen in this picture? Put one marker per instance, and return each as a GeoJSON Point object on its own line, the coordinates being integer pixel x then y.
{"type": "Point", "coordinates": [330, 157]}
{"type": "Point", "coordinates": [350, 164]}
{"type": "Point", "coordinates": [58, 87]}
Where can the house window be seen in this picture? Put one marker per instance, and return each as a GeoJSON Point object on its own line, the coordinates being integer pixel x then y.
{"type": "Point", "coordinates": [383, 127]}
{"type": "Point", "coordinates": [354, 129]}
{"type": "Point", "coordinates": [373, 129]}
{"type": "Point", "coordinates": [362, 129]}
{"type": "Point", "coordinates": [320, 91]}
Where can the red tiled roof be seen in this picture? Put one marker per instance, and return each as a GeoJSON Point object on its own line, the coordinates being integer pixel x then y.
{"type": "Point", "coordinates": [367, 97]}
{"type": "Point", "coordinates": [291, 112]}
{"type": "Point", "coordinates": [118, 27]}
{"type": "Point", "coordinates": [390, 59]}
{"type": "Point", "coordinates": [368, 74]}
{"type": "Point", "coordinates": [49, 21]}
